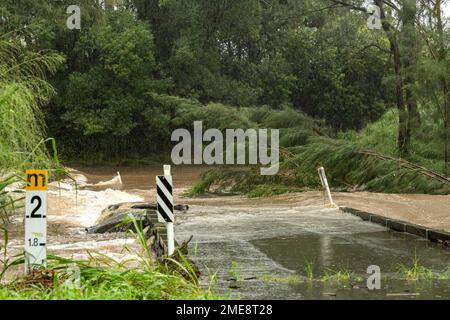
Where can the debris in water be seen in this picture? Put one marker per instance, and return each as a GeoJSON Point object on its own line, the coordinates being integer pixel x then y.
{"type": "Point", "coordinates": [115, 181]}
{"type": "Point", "coordinates": [402, 294]}
{"type": "Point", "coordinates": [331, 294]}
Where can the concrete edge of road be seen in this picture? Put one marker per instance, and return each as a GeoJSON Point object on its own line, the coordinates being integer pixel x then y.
{"type": "Point", "coordinates": [430, 234]}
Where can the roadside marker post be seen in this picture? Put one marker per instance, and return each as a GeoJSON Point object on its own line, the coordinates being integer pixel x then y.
{"type": "Point", "coordinates": [324, 181]}
{"type": "Point", "coordinates": [164, 203]}
{"type": "Point", "coordinates": [36, 219]}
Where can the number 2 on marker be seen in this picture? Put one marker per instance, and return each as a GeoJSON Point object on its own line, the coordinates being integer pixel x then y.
{"type": "Point", "coordinates": [33, 213]}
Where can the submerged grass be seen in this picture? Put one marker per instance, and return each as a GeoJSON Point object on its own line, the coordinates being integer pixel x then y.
{"type": "Point", "coordinates": [342, 276]}
{"type": "Point", "coordinates": [309, 269]}
{"type": "Point", "coordinates": [287, 280]}
{"type": "Point", "coordinates": [416, 271]}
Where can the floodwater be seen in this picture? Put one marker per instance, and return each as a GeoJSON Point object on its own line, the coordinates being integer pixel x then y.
{"type": "Point", "coordinates": [255, 248]}
{"type": "Point", "coordinates": [262, 253]}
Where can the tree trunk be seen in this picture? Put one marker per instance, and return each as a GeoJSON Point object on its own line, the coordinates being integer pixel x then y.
{"type": "Point", "coordinates": [442, 56]}
{"type": "Point", "coordinates": [410, 51]}
{"type": "Point", "coordinates": [446, 127]}
{"type": "Point", "coordinates": [402, 138]}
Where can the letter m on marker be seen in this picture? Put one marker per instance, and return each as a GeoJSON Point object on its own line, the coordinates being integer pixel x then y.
{"type": "Point", "coordinates": [164, 198]}
{"type": "Point", "coordinates": [36, 180]}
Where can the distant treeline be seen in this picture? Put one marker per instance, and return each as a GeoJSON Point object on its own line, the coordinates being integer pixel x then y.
{"type": "Point", "coordinates": [138, 69]}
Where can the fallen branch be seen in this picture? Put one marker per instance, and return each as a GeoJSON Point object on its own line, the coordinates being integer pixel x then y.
{"type": "Point", "coordinates": [409, 165]}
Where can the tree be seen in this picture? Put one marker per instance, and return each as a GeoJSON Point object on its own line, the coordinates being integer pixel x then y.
{"type": "Point", "coordinates": [435, 69]}
{"type": "Point", "coordinates": [105, 101]}
{"type": "Point", "coordinates": [403, 47]}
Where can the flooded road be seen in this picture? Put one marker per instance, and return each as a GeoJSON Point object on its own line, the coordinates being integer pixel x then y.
{"type": "Point", "coordinates": [285, 247]}
{"type": "Point", "coordinates": [261, 248]}
{"type": "Point", "coordinates": [264, 253]}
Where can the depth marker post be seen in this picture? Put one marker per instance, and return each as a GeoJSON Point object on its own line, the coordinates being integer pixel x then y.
{"type": "Point", "coordinates": [164, 202]}
{"type": "Point", "coordinates": [324, 181]}
{"type": "Point", "coordinates": [36, 219]}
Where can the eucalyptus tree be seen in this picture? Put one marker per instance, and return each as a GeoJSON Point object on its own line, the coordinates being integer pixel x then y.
{"type": "Point", "coordinates": [434, 28]}
{"type": "Point", "coordinates": [399, 22]}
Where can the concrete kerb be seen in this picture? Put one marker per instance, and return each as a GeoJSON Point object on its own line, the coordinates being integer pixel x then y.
{"type": "Point", "coordinates": [430, 234]}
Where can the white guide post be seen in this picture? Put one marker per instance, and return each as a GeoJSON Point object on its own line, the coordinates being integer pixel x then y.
{"type": "Point", "coordinates": [164, 202]}
{"type": "Point", "coordinates": [169, 226]}
{"type": "Point", "coordinates": [324, 181]}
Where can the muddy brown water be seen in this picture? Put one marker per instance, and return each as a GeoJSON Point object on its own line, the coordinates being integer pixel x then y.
{"type": "Point", "coordinates": [144, 177]}
{"type": "Point", "coordinates": [257, 248]}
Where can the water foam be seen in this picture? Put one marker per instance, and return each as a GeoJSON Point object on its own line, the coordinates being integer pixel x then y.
{"type": "Point", "coordinates": [83, 208]}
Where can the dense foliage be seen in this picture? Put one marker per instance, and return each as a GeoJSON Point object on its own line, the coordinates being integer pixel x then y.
{"type": "Point", "coordinates": [138, 69]}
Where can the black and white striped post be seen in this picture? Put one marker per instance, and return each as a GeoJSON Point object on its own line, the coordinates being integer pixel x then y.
{"type": "Point", "coordinates": [164, 202]}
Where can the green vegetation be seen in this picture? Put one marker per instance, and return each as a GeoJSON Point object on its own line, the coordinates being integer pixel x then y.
{"type": "Point", "coordinates": [111, 281]}
{"type": "Point", "coordinates": [137, 70]}
{"type": "Point", "coordinates": [364, 160]}
{"type": "Point", "coordinates": [233, 272]}
{"type": "Point", "coordinates": [416, 271]}
{"type": "Point", "coordinates": [23, 91]}
{"type": "Point", "coordinates": [292, 280]}
{"type": "Point", "coordinates": [342, 276]}
{"type": "Point", "coordinates": [98, 283]}
{"type": "Point", "coordinates": [309, 269]}
{"type": "Point", "coordinates": [371, 106]}
{"type": "Point", "coordinates": [101, 277]}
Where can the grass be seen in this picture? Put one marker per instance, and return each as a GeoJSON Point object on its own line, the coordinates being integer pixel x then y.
{"type": "Point", "coordinates": [233, 272]}
{"type": "Point", "coordinates": [97, 283]}
{"type": "Point", "coordinates": [416, 271]}
{"type": "Point", "coordinates": [309, 269]}
{"type": "Point", "coordinates": [23, 90]}
{"type": "Point", "coordinates": [101, 277]}
{"type": "Point", "coordinates": [287, 280]}
{"type": "Point", "coordinates": [14, 179]}
{"type": "Point", "coordinates": [445, 275]}
{"type": "Point", "coordinates": [344, 276]}
{"type": "Point", "coordinates": [9, 200]}
{"type": "Point", "coordinates": [341, 276]}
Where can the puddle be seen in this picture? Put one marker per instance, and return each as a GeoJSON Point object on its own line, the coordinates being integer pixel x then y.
{"type": "Point", "coordinates": [354, 253]}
